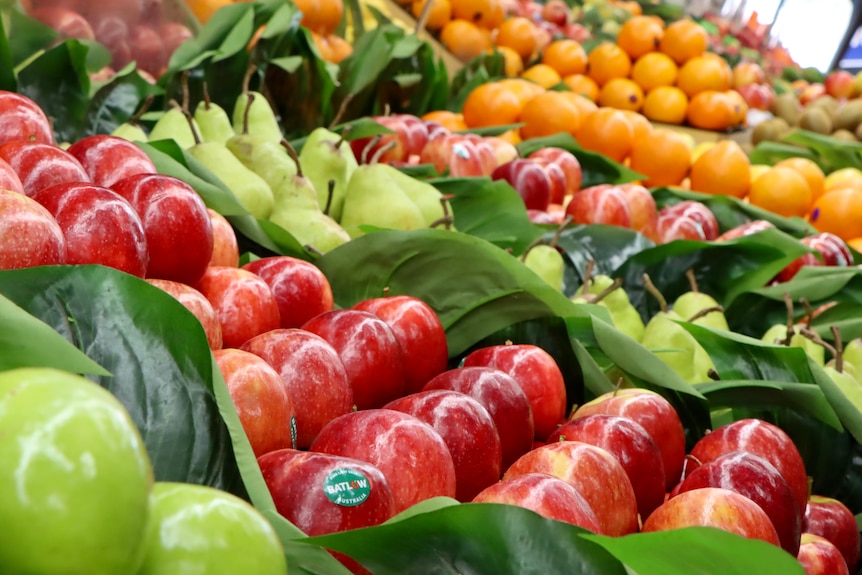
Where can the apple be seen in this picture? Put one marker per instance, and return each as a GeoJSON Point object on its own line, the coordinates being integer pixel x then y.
{"type": "Point", "coordinates": [555, 12]}
{"type": "Point", "coordinates": [536, 372]}
{"type": "Point", "coordinates": [196, 303]}
{"type": "Point", "coordinates": [687, 220]}
{"type": "Point", "coordinates": [409, 135]}
{"type": "Point", "coordinates": [41, 165]}
{"type": "Point", "coordinates": [713, 507]}
{"type": "Point", "coordinates": [840, 84]}
{"type": "Point", "coordinates": [754, 477]}
{"type": "Point", "coordinates": [594, 473]}
{"type": "Point", "coordinates": [369, 350]}
{"type": "Point", "coordinates": [9, 180]}
{"type": "Point", "coordinates": [99, 226]}
{"type": "Point", "coordinates": [261, 398]}
{"type": "Point", "coordinates": [458, 154]}
{"type": "Point", "coordinates": [113, 32]}
{"type": "Point", "coordinates": [200, 529]}
{"type": "Point", "coordinates": [300, 288]}
{"type": "Point", "coordinates": [633, 447]}
{"type": "Point", "coordinates": [567, 161]}
{"type": "Point", "coordinates": [547, 495]}
{"type": "Point", "coordinates": [225, 245]}
{"type": "Point", "coordinates": [811, 92]}
{"type": "Point", "coordinates": [29, 234]}
{"type": "Point", "coordinates": [419, 333]}
{"type": "Point", "coordinates": [172, 34]}
{"type": "Point", "coordinates": [601, 204]}
{"type": "Point", "coordinates": [746, 73]}
{"type": "Point", "coordinates": [529, 179]}
{"type": "Point", "coordinates": [129, 10]}
{"type": "Point", "coordinates": [832, 520]}
{"type": "Point", "coordinates": [468, 431]}
{"type": "Point", "coordinates": [557, 178]}
{"type": "Point", "coordinates": [833, 250]}
{"type": "Point", "coordinates": [642, 209]}
{"type": "Point", "coordinates": [108, 159]}
{"type": "Point", "coordinates": [147, 49]}
{"type": "Point", "coordinates": [410, 454]}
{"type": "Point", "coordinates": [577, 32]}
{"type": "Point", "coordinates": [757, 96]}
{"type": "Point", "coordinates": [322, 493]}
{"type": "Point", "coordinates": [67, 23]}
{"type": "Point", "coordinates": [176, 223]}
{"type": "Point", "coordinates": [313, 373]}
{"type": "Point", "coordinates": [504, 150]}
{"type": "Point", "coordinates": [505, 401]}
{"type": "Point", "coordinates": [76, 477]}
{"type": "Point", "coordinates": [746, 229]}
{"type": "Point", "coordinates": [544, 217]}
{"type": "Point", "coordinates": [818, 556]}
{"type": "Point", "coordinates": [21, 119]}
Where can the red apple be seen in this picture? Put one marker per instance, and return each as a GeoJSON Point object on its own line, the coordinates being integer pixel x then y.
{"type": "Point", "coordinates": [754, 477]}
{"type": "Point", "coordinates": [322, 493]}
{"type": "Point", "coordinates": [177, 225]}
{"type": "Point", "coordinates": [147, 49]}
{"type": "Point", "coordinates": [757, 96]}
{"type": "Point", "coordinates": [504, 399]}
{"type": "Point", "coordinates": [67, 23]}
{"type": "Point", "coordinates": [687, 220]}
{"type": "Point", "coordinates": [746, 229]}
{"type": "Point", "coordinates": [547, 495]}
{"type": "Point", "coordinates": [99, 225]}
{"type": "Point", "coordinates": [536, 372]}
{"type": "Point", "coordinates": [42, 165]}
{"type": "Point", "coordinates": [300, 288]}
{"type": "Point", "coordinates": [594, 473]}
{"type": "Point", "coordinates": [113, 32]}
{"type": "Point", "coordinates": [642, 209]}
{"type": "Point", "coordinates": [173, 34]}
{"type": "Point", "coordinates": [602, 204]}
{"type": "Point", "coordinates": [129, 10]}
{"type": "Point", "coordinates": [261, 399]}
{"type": "Point", "coordinates": [746, 73]}
{"type": "Point", "coordinates": [633, 447]}
{"type": "Point", "coordinates": [529, 179]}
{"type": "Point", "coordinates": [833, 250]}
{"type": "Point", "coordinates": [555, 12]}
{"type": "Point", "coordinates": [556, 177]}
{"type": "Point", "coordinates": [544, 217]}
{"type": "Point", "coordinates": [811, 92]}
{"type": "Point", "coordinates": [21, 119]}
{"type": "Point", "coordinates": [108, 159]}
{"type": "Point", "coordinates": [655, 414]}
{"type": "Point", "coordinates": [840, 84]}
{"type": "Point", "coordinates": [818, 556]}
{"type": "Point", "coordinates": [567, 161]}
{"type": "Point", "coordinates": [713, 507]}
{"type": "Point", "coordinates": [412, 456]}
{"type": "Point", "coordinates": [832, 520]}
{"type": "Point", "coordinates": [577, 32]}
{"type": "Point", "coordinates": [409, 135]}
{"type": "Point", "coordinates": [242, 301]}
{"type": "Point", "coordinates": [9, 180]}
{"type": "Point", "coordinates": [225, 246]}
{"type": "Point", "coordinates": [420, 336]}
{"type": "Point", "coordinates": [369, 351]}
{"type": "Point", "coordinates": [468, 431]}
{"type": "Point", "coordinates": [314, 376]}
{"type": "Point", "coordinates": [504, 150]}
{"type": "Point", "coordinates": [196, 303]}
{"type": "Point", "coordinates": [458, 154]}
{"type": "Point", "coordinates": [29, 234]}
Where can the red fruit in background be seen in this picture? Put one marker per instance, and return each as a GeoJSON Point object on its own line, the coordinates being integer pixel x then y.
{"type": "Point", "coordinates": [633, 447]}
{"type": "Point", "coordinates": [29, 234]}
{"type": "Point", "coordinates": [832, 248]}
{"type": "Point", "coordinates": [147, 49]}
{"type": "Point", "coordinates": [594, 473]}
{"type": "Point", "coordinates": [567, 161]}
{"type": "Point", "coordinates": [687, 220]}
{"type": "Point", "coordinates": [754, 477]}
{"type": "Point", "coordinates": [67, 23]}
{"type": "Point", "coordinates": [468, 431]}
{"type": "Point", "coordinates": [840, 84]}
{"type": "Point", "coordinates": [300, 288]}
{"type": "Point", "coordinates": [557, 178]}
{"type": "Point", "coordinates": [314, 376]}
{"type": "Point", "coordinates": [831, 519]}
{"type": "Point", "coordinates": [577, 32]}
{"type": "Point", "coordinates": [196, 303]}
{"type": "Point", "coordinates": [602, 204]}
{"type": "Point", "coordinates": [129, 10]}
{"type": "Point", "coordinates": [225, 246]}
{"type": "Point", "coordinates": [529, 179]}
{"type": "Point", "coordinates": [746, 73]}
{"type": "Point", "coordinates": [242, 301]}
{"type": "Point", "coordinates": [177, 225]}
{"type": "Point", "coordinates": [545, 494]}
{"type": "Point", "coordinates": [642, 209]}
{"type": "Point", "coordinates": [99, 225]}
{"type": "Point", "coordinates": [409, 135]}
{"type": "Point", "coordinates": [108, 159]}
{"type": "Point", "coordinates": [9, 180]}
{"type": "Point", "coordinates": [760, 438]}
{"type": "Point", "coordinates": [42, 165]}
{"type": "Point", "coordinates": [173, 34]}
{"type": "Point", "coordinates": [22, 119]}
{"type": "Point", "coordinates": [369, 351]}
{"type": "Point", "coordinates": [713, 507]}
{"type": "Point", "coordinates": [459, 154]}
{"type": "Point", "coordinates": [322, 493]}
{"type": "Point", "coordinates": [818, 556]}
{"type": "Point", "coordinates": [505, 401]}
{"type": "Point", "coordinates": [113, 32]}
{"type": "Point", "coordinates": [655, 414]}
{"type": "Point", "coordinates": [810, 93]}
{"type": "Point", "coordinates": [536, 372]}
{"type": "Point", "coordinates": [757, 96]}
{"type": "Point", "coordinates": [261, 399]}
{"type": "Point", "coordinates": [555, 12]}
{"type": "Point", "coordinates": [412, 456]}
{"type": "Point", "coordinates": [746, 229]}
{"type": "Point", "coordinates": [543, 217]}
{"type": "Point", "coordinates": [419, 333]}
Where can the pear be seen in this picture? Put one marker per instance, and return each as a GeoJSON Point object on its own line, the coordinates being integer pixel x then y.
{"type": "Point", "coordinates": [253, 113]}
{"type": "Point", "coordinates": [693, 306]}
{"type": "Point", "coordinates": [608, 292]}
{"type": "Point", "coordinates": [546, 262]}
{"type": "Point", "coordinates": [433, 205]}
{"type": "Point", "coordinates": [213, 122]}
{"type": "Point", "coordinates": [327, 156]}
{"type": "Point", "coordinates": [843, 374]}
{"type": "Point", "coordinates": [374, 197]}
{"type": "Point", "coordinates": [131, 132]}
{"type": "Point", "coordinates": [790, 334]}
{"type": "Point", "coordinates": [853, 355]}
{"type": "Point", "coordinates": [174, 125]}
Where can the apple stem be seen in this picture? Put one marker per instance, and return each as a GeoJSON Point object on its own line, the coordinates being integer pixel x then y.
{"type": "Point", "coordinates": [387, 109]}
{"type": "Point", "coordinates": [617, 283]}
{"type": "Point", "coordinates": [712, 374]}
{"type": "Point", "coordinates": [588, 273]}
{"type": "Point", "coordinates": [791, 329]}
{"type": "Point", "coordinates": [330, 191]}
{"type": "Point", "coordinates": [423, 17]}
{"type": "Point", "coordinates": [382, 150]}
{"type": "Point", "coordinates": [191, 122]}
{"type": "Point", "coordinates": [685, 462]}
{"type": "Point", "coordinates": [342, 109]}
{"type": "Point", "coordinates": [563, 225]}
{"type": "Point", "coordinates": [250, 99]}
{"type": "Point", "coordinates": [291, 151]}
{"type": "Point", "coordinates": [509, 342]}
{"type": "Point", "coordinates": [653, 291]}
{"type": "Point", "coordinates": [207, 100]}
{"type": "Point", "coordinates": [692, 281]}
{"type": "Point", "coordinates": [618, 386]}
{"type": "Point", "coordinates": [815, 337]}
{"type": "Point", "coordinates": [344, 134]}
{"type": "Point", "coordinates": [385, 291]}
{"type": "Point", "coordinates": [365, 151]}
{"type": "Point", "coordinates": [704, 312]}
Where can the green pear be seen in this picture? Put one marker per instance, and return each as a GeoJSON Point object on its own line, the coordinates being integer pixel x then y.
{"type": "Point", "coordinates": [174, 125]}
{"type": "Point", "coordinates": [777, 334]}
{"type": "Point", "coordinates": [131, 132]}
{"type": "Point", "coordinates": [844, 374]}
{"type": "Point", "coordinates": [268, 160]}
{"type": "Point", "coordinates": [609, 293]}
{"type": "Point", "coordinates": [427, 198]}
{"type": "Point", "coordinates": [853, 355]}
{"type": "Point", "coordinates": [213, 122]}
{"type": "Point", "coordinates": [253, 114]}
{"type": "Point", "coordinates": [374, 198]}
{"type": "Point", "coordinates": [327, 156]}
{"type": "Point", "coordinates": [693, 305]}
{"type": "Point", "coordinates": [547, 263]}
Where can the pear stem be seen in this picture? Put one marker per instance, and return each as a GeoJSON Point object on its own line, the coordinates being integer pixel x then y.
{"type": "Point", "coordinates": [246, 79]}
{"type": "Point", "coordinates": [194, 130]}
{"type": "Point", "coordinates": [245, 113]}
{"type": "Point", "coordinates": [310, 248]}
{"type": "Point", "coordinates": [712, 374]}
{"type": "Point", "coordinates": [207, 100]}
{"type": "Point", "coordinates": [367, 149]}
{"type": "Point", "coordinates": [815, 337]}
{"type": "Point", "coordinates": [791, 329]}
{"type": "Point", "coordinates": [704, 312]}
{"type": "Point", "coordinates": [291, 151]}
{"type": "Point", "coordinates": [653, 291]}
{"type": "Point", "coordinates": [184, 84]}
{"type": "Point", "coordinates": [382, 150]}
{"type": "Point", "coordinates": [588, 273]}
{"type": "Point", "coordinates": [145, 106]}
{"type": "Point", "coordinates": [343, 138]}
{"type": "Point", "coordinates": [330, 191]}
{"type": "Point", "coordinates": [423, 17]}
{"type": "Point", "coordinates": [839, 348]}
{"type": "Point", "coordinates": [447, 218]}
{"type": "Point", "coordinates": [342, 109]}
{"type": "Point", "coordinates": [615, 285]}
{"type": "Point", "coordinates": [556, 239]}
{"type": "Point", "coordinates": [692, 281]}
{"type": "Point", "coordinates": [809, 313]}
{"type": "Point", "coordinates": [535, 243]}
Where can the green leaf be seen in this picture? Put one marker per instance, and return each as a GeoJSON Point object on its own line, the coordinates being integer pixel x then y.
{"type": "Point", "coordinates": [8, 81]}
{"type": "Point", "coordinates": [848, 413]}
{"type": "Point", "coordinates": [835, 154]}
{"type": "Point", "coordinates": [770, 153]}
{"type": "Point", "coordinates": [238, 36]}
{"type": "Point", "coordinates": [208, 41]}
{"type": "Point", "coordinates": [116, 101]}
{"type": "Point", "coordinates": [27, 37]}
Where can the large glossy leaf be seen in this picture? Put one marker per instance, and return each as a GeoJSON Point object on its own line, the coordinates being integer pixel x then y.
{"type": "Point", "coordinates": [8, 81]}
{"type": "Point", "coordinates": [27, 36]}
{"type": "Point", "coordinates": [116, 101]}
{"type": "Point", "coordinates": [156, 352]}
{"type": "Point", "coordinates": [834, 154]}
{"type": "Point", "coordinates": [769, 153]}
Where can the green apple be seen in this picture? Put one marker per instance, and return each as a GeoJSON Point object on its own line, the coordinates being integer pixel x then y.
{"type": "Point", "coordinates": [75, 477]}
{"type": "Point", "coordinates": [199, 530]}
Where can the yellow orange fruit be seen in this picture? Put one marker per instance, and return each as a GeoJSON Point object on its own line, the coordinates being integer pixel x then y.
{"type": "Point", "coordinates": [663, 156]}
{"type": "Point", "coordinates": [640, 35]}
{"type": "Point", "coordinates": [543, 75]}
{"type": "Point", "coordinates": [782, 191]}
{"type": "Point", "coordinates": [809, 170]}
{"type": "Point", "coordinates": [621, 93]}
{"type": "Point", "coordinates": [683, 40]}
{"type": "Point", "coordinates": [565, 56]}
{"type": "Point", "coordinates": [606, 62]}
{"type": "Point", "coordinates": [838, 211]}
{"type": "Point", "coordinates": [491, 104]}
{"type": "Point", "coordinates": [519, 34]}
{"type": "Point", "coordinates": [666, 104]}
{"type": "Point", "coordinates": [607, 131]}
{"type": "Point", "coordinates": [440, 13]}
{"type": "Point", "coordinates": [722, 169]}
{"type": "Point", "coordinates": [653, 70]}
{"type": "Point", "coordinates": [464, 39]}
{"type": "Point", "coordinates": [702, 73]}
{"type": "Point", "coordinates": [549, 113]}
{"type": "Point", "coordinates": [583, 85]}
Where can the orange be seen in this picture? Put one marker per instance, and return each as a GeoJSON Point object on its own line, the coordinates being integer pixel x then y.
{"type": "Point", "coordinates": [323, 46]}
{"type": "Point", "coordinates": [739, 108]}
{"type": "Point", "coordinates": [549, 113]}
{"type": "Point", "coordinates": [512, 62]}
{"type": "Point", "coordinates": [452, 121]}
{"type": "Point", "coordinates": [838, 211]}
{"type": "Point", "coordinates": [606, 62]}
{"type": "Point", "coordinates": [663, 156]}
{"type": "Point", "coordinates": [439, 16]}
{"type": "Point", "coordinates": [512, 136]}
{"type": "Point", "coordinates": [543, 75]}
{"type": "Point", "coordinates": [722, 169]}
{"type": "Point", "coordinates": [339, 48]}
{"type": "Point", "coordinates": [711, 110]}
{"type": "Point", "coordinates": [491, 104]}
{"type": "Point", "coordinates": [204, 9]}
{"type": "Point", "coordinates": [653, 70]}
{"type": "Point", "coordinates": [566, 56]}
{"type": "Point", "coordinates": [640, 124]}
{"type": "Point", "coordinates": [464, 39]}
{"type": "Point", "coordinates": [329, 15]}
{"type": "Point", "coordinates": [809, 170]}
{"type": "Point", "coordinates": [311, 16]}
{"type": "Point", "coordinates": [640, 35]}
{"type": "Point", "coordinates": [683, 40]}
{"type": "Point", "coordinates": [702, 73]}
{"type": "Point", "coordinates": [607, 131]}
{"type": "Point", "coordinates": [666, 104]}
{"type": "Point", "coordinates": [583, 85]}
{"type": "Point", "coordinates": [582, 103]}
{"type": "Point", "coordinates": [520, 35]}
{"type": "Point", "coordinates": [488, 14]}
{"type": "Point", "coordinates": [782, 191]}
{"type": "Point", "coordinates": [856, 244]}
{"type": "Point", "coordinates": [523, 89]}
{"type": "Point", "coordinates": [621, 93]}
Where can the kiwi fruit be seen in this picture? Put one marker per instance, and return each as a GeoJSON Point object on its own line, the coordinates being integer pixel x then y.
{"type": "Point", "coordinates": [827, 103]}
{"type": "Point", "coordinates": [848, 116]}
{"type": "Point", "coordinates": [859, 132]}
{"type": "Point", "coordinates": [769, 131]}
{"type": "Point", "coordinates": [844, 136]}
{"type": "Point", "coordinates": [816, 119]}
{"type": "Point", "coordinates": [787, 106]}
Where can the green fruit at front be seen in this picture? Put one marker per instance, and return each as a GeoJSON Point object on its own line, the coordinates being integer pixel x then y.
{"type": "Point", "coordinates": [677, 348]}
{"type": "Point", "coordinates": [199, 530]}
{"type": "Point", "coordinates": [75, 477]}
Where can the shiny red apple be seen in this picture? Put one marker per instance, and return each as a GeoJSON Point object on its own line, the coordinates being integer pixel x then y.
{"type": "Point", "coordinates": [196, 303]}
{"type": "Point", "coordinates": [601, 204]}
{"type": "Point", "coordinates": [529, 179]}
{"type": "Point", "coordinates": [300, 288]}
{"type": "Point", "coordinates": [831, 519]}
{"type": "Point", "coordinates": [42, 165]}
{"type": "Point", "coordinates": [21, 119]}
{"type": "Point", "coordinates": [225, 245]}
{"type": "Point", "coordinates": [29, 234]}
{"type": "Point", "coordinates": [818, 556]}
{"type": "Point", "coordinates": [108, 159]}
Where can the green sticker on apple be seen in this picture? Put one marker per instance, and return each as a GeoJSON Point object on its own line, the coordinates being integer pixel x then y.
{"type": "Point", "coordinates": [346, 487]}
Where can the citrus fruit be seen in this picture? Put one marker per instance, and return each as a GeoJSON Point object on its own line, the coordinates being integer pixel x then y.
{"type": "Point", "coordinates": [683, 40]}
{"type": "Point", "coordinates": [583, 85]}
{"type": "Point", "coordinates": [838, 211]}
{"type": "Point", "coordinates": [845, 177]}
{"type": "Point", "coordinates": [566, 57]}
{"type": "Point", "coordinates": [621, 93]}
{"type": "Point", "coordinates": [439, 16]}
{"type": "Point", "coordinates": [491, 104]}
{"type": "Point", "coordinates": [711, 110]}
{"type": "Point", "coordinates": [488, 14]}
{"type": "Point", "coordinates": [663, 156]}
{"type": "Point", "coordinates": [782, 191]}
{"type": "Point", "coordinates": [653, 70]}
{"type": "Point", "coordinates": [666, 104]}
{"type": "Point", "coordinates": [809, 170]}
{"type": "Point", "coordinates": [640, 35]}
{"type": "Point", "coordinates": [549, 113]}
{"type": "Point", "coordinates": [702, 73]}
{"type": "Point", "coordinates": [543, 75]}
{"type": "Point", "coordinates": [606, 62]}
{"type": "Point", "coordinates": [519, 34]}
{"type": "Point", "coordinates": [607, 131]}
{"type": "Point", "coordinates": [464, 39]}
{"type": "Point", "coordinates": [722, 169]}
